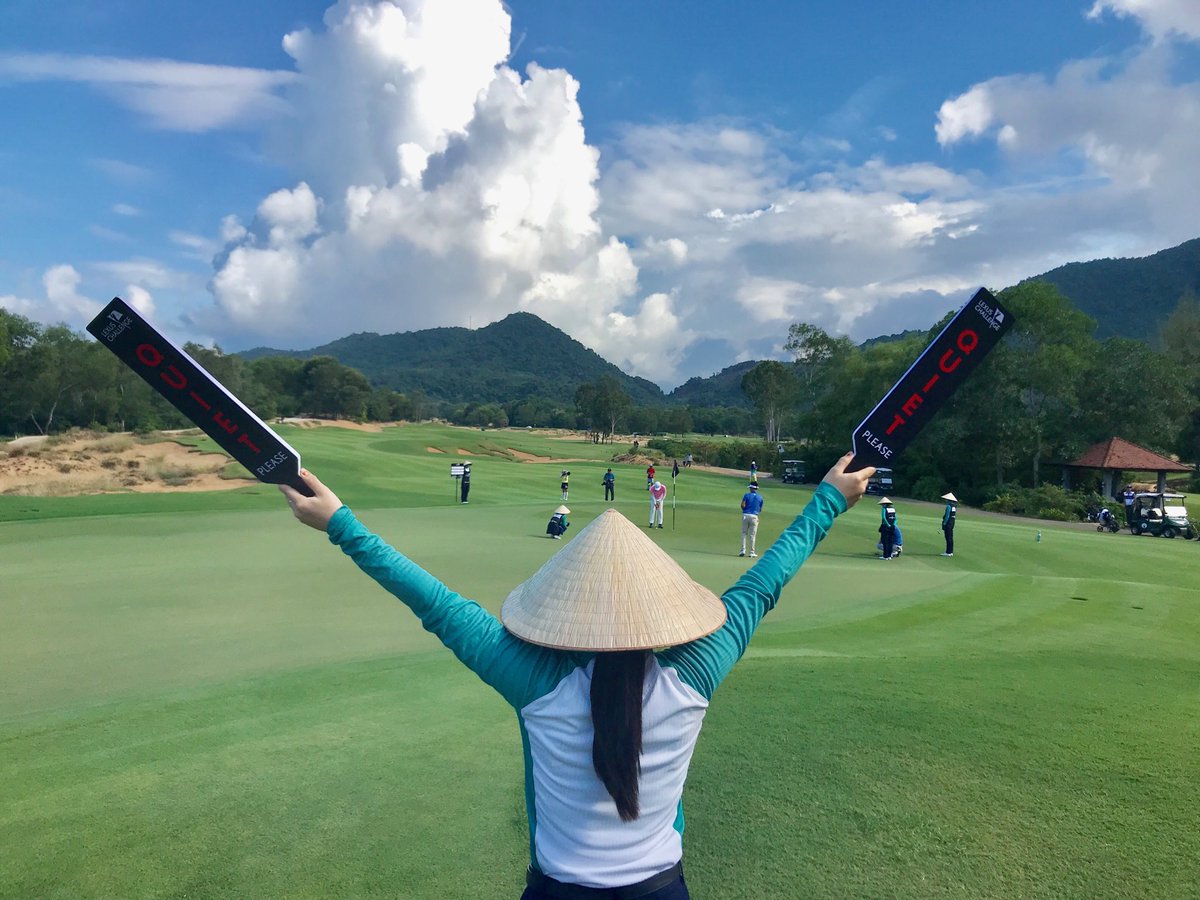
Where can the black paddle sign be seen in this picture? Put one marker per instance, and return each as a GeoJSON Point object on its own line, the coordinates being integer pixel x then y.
{"type": "Point", "coordinates": [930, 381]}
{"type": "Point", "coordinates": [196, 394]}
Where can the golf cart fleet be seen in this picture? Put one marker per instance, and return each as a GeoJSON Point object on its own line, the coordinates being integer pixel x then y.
{"type": "Point", "coordinates": [1162, 515]}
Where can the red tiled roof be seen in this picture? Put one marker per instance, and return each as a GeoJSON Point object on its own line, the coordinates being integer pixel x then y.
{"type": "Point", "coordinates": [1116, 453]}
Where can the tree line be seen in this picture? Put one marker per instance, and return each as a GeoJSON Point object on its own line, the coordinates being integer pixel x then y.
{"type": "Point", "coordinates": [1044, 395]}
{"type": "Point", "coordinates": [53, 379]}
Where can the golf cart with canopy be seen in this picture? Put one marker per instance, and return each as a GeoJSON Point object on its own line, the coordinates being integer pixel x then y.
{"type": "Point", "coordinates": [880, 483]}
{"type": "Point", "coordinates": [1162, 515]}
{"type": "Point", "coordinates": [793, 471]}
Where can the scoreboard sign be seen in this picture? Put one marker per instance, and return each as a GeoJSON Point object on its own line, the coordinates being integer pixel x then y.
{"type": "Point", "coordinates": [196, 394]}
{"type": "Point", "coordinates": [930, 381]}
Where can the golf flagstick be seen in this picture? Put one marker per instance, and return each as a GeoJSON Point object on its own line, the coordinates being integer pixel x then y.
{"type": "Point", "coordinates": [674, 475]}
{"type": "Point", "coordinates": [195, 393]}
{"type": "Point", "coordinates": [929, 382]}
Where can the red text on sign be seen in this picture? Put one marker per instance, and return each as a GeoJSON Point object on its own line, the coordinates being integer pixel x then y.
{"type": "Point", "coordinates": [170, 374]}
{"type": "Point", "coordinates": [964, 345]}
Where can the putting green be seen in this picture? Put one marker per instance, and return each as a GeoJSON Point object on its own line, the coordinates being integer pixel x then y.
{"type": "Point", "coordinates": [200, 697]}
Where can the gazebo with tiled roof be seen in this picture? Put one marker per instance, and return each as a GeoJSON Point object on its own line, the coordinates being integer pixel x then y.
{"type": "Point", "coordinates": [1117, 455]}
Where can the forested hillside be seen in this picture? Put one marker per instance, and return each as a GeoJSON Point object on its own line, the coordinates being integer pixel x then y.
{"type": "Point", "coordinates": [1051, 389]}
{"type": "Point", "coordinates": [517, 358]}
{"type": "Point", "coordinates": [522, 357]}
{"type": "Point", "coordinates": [722, 389]}
{"type": "Point", "coordinates": [1130, 297]}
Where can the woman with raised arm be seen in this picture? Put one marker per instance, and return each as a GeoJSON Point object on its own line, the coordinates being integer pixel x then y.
{"type": "Point", "coordinates": [609, 654]}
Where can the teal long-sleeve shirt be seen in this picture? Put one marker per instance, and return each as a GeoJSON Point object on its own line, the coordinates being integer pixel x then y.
{"type": "Point", "coordinates": [521, 671]}
{"type": "Point", "coordinates": [575, 833]}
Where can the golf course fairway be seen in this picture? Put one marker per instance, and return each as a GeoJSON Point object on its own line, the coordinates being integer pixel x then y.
{"type": "Point", "coordinates": [201, 698]}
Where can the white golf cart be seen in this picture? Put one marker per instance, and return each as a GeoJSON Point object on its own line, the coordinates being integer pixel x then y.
{"type": "Point", "coordinates": [1162, 515]}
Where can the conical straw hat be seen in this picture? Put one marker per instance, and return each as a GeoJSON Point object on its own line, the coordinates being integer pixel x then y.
{"type": "Point", "coordinates": [611, 588]}
{"type": "Point", "coordinates": [949, 496]}
{"type": "Point", "coordinates": [885, 501]}
{"type": "Point", "coordinates": [562, 510]}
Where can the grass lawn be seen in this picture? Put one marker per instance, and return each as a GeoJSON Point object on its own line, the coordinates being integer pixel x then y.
{"type": "Point", "coordinates": [198, 697]}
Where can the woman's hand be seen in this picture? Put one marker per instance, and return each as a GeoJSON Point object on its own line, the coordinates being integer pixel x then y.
{"type": "Point", "coordinates": [851, 485]}
{"type": "Point", "coordinates": [314, 511]}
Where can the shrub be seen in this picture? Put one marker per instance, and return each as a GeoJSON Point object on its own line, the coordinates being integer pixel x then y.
{"type": "Point", "coordinates": [1047, 501]}
{"type": "Point", "coordinates": [113, 443]}
{"type": "Point", "coordinates": [1002, 503]}
{"type": "Point", "coordinates": [732, 454]}
{"type": "Point", "coordinates": [928, 487]}
{"type": "Point", "coordinates": [169, 473]}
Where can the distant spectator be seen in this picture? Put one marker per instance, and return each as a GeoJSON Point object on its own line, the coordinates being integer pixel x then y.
{"type": "Point", "coordinates": [565, 478]}
{"type": "Point", "coordinates": [1127, 498]}
{"type": "Point", "coordinates": [649, 475]}
{"type": "Point", "coordinates": [610, 485]}
{"type": "Point", "coordinates": [465, 482]}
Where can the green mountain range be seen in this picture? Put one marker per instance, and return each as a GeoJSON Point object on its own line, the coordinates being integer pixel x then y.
{"type": "Point", "coordinates": [523, 356]}
{"type": "Point", "coordinates": [722, 389]}
{"type": "Point", "coordinates": [1130, 297]}
{"type": "Point", "coordinates": [518, 357]}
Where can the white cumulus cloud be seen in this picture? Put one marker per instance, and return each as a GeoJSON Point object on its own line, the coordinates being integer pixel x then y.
{"type": "Point", "coordinates": [439, 186]}
{"type": "Point", "coordinates": [1128, 129]}
{"type": "Point", "coordinates": [60, 300]}
{"type": "Point", "coordinates": [1161, 18]}
{"type": "Point", "coordinates": [435, 185]}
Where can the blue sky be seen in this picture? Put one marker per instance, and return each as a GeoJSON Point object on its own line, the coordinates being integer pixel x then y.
{"type": "Point", "coordinates": [671, 183]}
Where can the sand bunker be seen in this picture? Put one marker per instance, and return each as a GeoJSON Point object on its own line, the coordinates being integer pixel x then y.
{"type": "Point", "coordinates": [522, 456]}
{"type": "Point", "coordinates": [304, 422]}
{"type": "Point", "coordinates": [98, 463]}
{"type": "Point", "coordinates": [86, 462]}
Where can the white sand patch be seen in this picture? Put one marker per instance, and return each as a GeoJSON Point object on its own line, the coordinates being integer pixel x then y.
{"type": "Point", "coordinates": [305, 422]}
{"type": "Point", "coordinates": [95, 463]}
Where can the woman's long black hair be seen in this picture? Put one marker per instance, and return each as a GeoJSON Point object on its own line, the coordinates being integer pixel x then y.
{"type": "Point", "coordinates": [617, 681]}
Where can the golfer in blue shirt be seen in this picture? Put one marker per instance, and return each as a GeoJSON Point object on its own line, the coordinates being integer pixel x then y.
{"type": "Point", "coordinates": [752, 504]}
